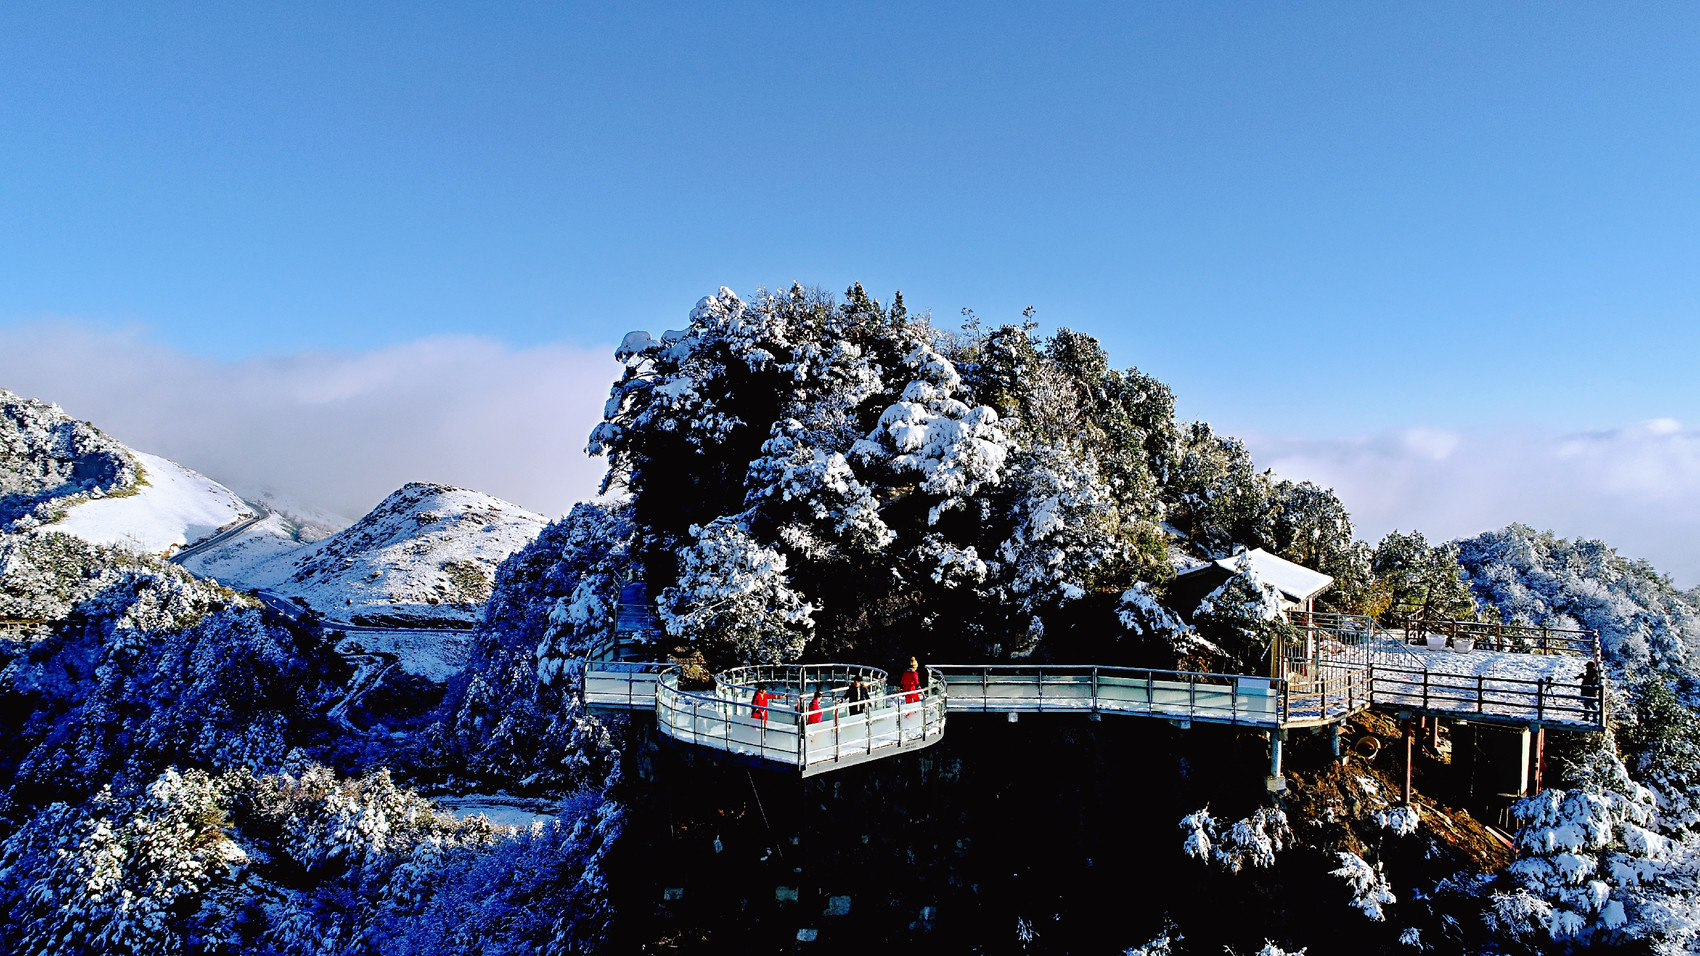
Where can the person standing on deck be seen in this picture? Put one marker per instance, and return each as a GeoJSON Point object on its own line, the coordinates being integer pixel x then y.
{"type": "Point", "coordinates": [1591, 690]}
{"type": "Point", "coordinates": [912, 682]}
{"type": "Point", "coordinates": [814, 709]}
{"type": "Point", "coordinates": [858, 696]}
{"type": "Point", "coordinates": [760, 702]}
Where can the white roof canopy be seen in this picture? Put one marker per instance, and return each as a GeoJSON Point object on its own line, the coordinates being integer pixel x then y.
{"type": "Point", "coordinates": [1297, 582]}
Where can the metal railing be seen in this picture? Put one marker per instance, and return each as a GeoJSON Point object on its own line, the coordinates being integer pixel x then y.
{"type": "Point", "coordinates": [790, 685]}
{"type": "Point", "coordinates": [1507, 699]}
{"type": "Point", "coordinates": [1085, 688]}
{"type": "Point", "coordinates": [1327, 693]}
{"type": "Point", "coordinates": [1513, 638]}
{"type": "Point", "coordinates": [840, 733]}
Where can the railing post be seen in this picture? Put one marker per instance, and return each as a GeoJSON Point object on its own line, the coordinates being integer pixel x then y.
{"type": "Point", "coordinates": [1425, 688]}
{"type": "Point", "coordinates": [1480, 691]}
{"type": "Point", "coordinates": [1094, 690]}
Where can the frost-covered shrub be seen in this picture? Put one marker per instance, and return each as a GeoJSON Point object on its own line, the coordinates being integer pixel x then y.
{"type": "Point", "coordinates": [1368, 884]}
{"type": "Point", "coordinates": [157, 668]}
{"type": "Point", "coordinates": [1661, 744]}
{"type": "Point", "coordinates": [1591, 868]}
{"type": "Point", "coordinates": [44, 574]}
{"type": "Point", "coordinates": [1401, 821]}
{"type": "Point", "coordinates": [1142, 615]}
{"type": "Point", "coordinates": [307, 864]}
{"type": "Point", "coordinates": [119, 876]}
{"type": "Point", "coordinates": [1252, 841]}
{"type": "Point", "coordinates": [48, 460]}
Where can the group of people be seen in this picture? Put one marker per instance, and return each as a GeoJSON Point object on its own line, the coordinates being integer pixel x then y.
{"type": "Point", "coordinates": [856, 696]}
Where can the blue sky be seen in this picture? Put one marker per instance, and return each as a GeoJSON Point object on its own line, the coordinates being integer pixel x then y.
{"type": "Point", "coordinates": [1318, 222]}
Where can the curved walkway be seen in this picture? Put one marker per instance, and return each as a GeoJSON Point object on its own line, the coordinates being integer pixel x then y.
{"type": "Point", "coordinates": [725, 717]}
{"type": "Point", "coordinates": [1338, 666]}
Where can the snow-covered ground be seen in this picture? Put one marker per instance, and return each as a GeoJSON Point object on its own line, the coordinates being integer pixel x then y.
{"type": "Point", "coordinates": [499, 809]}
{"type": "Point", "coordinates": [425, 556]}
{"type": "Point", "coordinates": [238, 559]}
{"type": "Point", "coordinates": [172, 506]}
{"type": "Point", "coordinates": [435, 654]}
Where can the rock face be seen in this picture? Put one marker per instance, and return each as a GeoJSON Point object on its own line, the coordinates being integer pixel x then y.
{"type": "Point", "coordinates": [425, 556]}
{"type": "Point", "coordinates": [49, 461]}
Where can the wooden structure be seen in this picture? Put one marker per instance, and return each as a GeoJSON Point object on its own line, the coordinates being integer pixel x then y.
{"type": "Point", "coordinates": [19, 626]}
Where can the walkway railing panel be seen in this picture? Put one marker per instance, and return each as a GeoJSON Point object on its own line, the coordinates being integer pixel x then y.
{"type": "Point", "coordinates": [626, 685]}
{"type": "Point", "coordinates": [1176, 695]}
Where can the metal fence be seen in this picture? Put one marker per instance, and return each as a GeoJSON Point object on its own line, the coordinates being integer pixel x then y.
{"type": "Point", "coordinates": [1513, 638]}
{"type": "Point", "coordinates": [1484, 697]}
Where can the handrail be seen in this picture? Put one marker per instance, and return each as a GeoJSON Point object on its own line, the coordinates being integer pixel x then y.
{"type": "Point", "coordinates": [1319, 685]}
{"type": "Point", "coordinates": [826, 677]}
{"type": "Point", "coordinates": [1514, 638]}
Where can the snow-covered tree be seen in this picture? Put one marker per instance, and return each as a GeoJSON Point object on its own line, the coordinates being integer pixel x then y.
{"type": "Point", "coordinates": [1532, 577]}
{"type": "Point", "coordinates": [733, 597]}
{"type": "Point", "coordinates": [1408, 576]}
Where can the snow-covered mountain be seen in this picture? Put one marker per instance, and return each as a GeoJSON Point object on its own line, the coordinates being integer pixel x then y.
{"type": "Point", "coordinates": [66, 475]}
{"type": "Point", "coordinates": [425, 556]}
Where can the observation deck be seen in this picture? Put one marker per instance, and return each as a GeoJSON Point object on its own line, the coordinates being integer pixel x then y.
{"type": "Point", "coordinates": [784, 732]}
{"type": "Point", "coordinates": [1333, 666]}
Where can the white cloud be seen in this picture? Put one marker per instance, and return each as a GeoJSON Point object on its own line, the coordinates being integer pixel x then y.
{"type": "Point", "coordinates": [1637, 488]}
{"type": "Point", "coordinates": [335, 431]}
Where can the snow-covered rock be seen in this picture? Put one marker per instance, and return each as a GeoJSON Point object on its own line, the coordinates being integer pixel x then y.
{"type": "Point", "coordinates": [65, 475]}
{"type": "Point", "coordinates": [49, 460]}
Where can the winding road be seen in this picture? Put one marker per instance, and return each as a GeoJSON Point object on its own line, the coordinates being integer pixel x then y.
{"type": "Point", "coordinates": [217, 538]}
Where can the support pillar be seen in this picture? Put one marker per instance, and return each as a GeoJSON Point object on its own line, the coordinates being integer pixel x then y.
{"type": "Point", "coordinates": [1434, 734]}
{"type": "Point", "coordinates": [1334, 741]}
{"type": "Point", "coordinates": [1410, 742]}
{"type": "Point", "coordinates": [1538, 764]}
{"type": "Point", "coordinates": [1276, 782]}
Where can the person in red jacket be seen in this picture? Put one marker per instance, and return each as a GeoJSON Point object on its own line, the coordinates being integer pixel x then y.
{"type": "Point", "coordinates": [760, 702]}
{"type": "Point", "coordinates": [814, 709]}
{"type": "Point", "coordinates": [911, 682]}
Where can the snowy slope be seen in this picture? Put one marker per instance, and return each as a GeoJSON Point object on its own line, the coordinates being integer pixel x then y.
{"type": "Point", "coordinates": [425, 556]}
{"type": "Point", "coordinates": [171, 505]}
